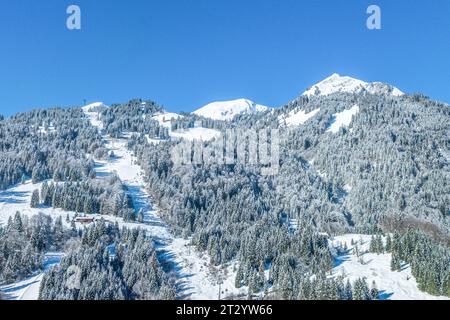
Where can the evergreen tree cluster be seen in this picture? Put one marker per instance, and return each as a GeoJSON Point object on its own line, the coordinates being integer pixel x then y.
{"type": "Point", "coordinates": [376, 244]}
{"type": "Point", "coordinates": [44, 144]}
{"type": "Point", "coordinates": [134, 116]}
{"type": "Point", "coordinates": [233, 212]}
{"type": "Point", "coordinates": [93, 196]}
{"type": "Point", "coordinates": [24, 242]}
{"type": "Point", "coordinates": [110, 264]}
{"type": "Point", "coordinates": [393, 156]}
{"type": "Point", "coordinates": [429, 261]}
{"type": "Point", "coordinates": [324, 288]}
{"type": "Point", "coordinates": [390, 162]}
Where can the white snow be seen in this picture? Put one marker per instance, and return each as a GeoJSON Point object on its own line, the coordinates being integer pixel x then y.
{"type": "Point", "coordinates": [392, 285]}
{"type": "Point", "coordinates": [165, 118]}
{"type": "Point", "coordinates": [227, 110]}
{"type": "Point", "coordinates": [197, 133]}
{"type": "Point", "coordinates": [296, 118]}
{"type": "Point", "coordinates": [191, 134]}
{"type": "Point", "coordinates": [336, 83]}
{"type": "Point", "coordinates": [93, 115]}
{"type": "Point", "coordinates": [18, 198]}
{"type": "Point", "coordinates": [342, 119]}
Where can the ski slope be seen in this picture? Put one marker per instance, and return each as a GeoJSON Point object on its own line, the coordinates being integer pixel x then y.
{"type": "Point", "coordinates": [196, 280]}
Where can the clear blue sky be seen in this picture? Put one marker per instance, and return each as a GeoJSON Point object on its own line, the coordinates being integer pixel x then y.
{"type": "Point", "coordinates": [184, 54]}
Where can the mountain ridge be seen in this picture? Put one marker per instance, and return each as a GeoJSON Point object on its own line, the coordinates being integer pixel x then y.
{"type": "Point", "coordinates": [337, 83]}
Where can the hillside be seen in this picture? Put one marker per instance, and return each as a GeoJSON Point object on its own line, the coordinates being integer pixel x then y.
{"type": "Point", "coordinates": [359, 163]}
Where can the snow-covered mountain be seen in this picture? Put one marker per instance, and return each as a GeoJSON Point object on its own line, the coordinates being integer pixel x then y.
{"type": "Point", "coordinates": [336, 83]}
{"type": "Point", "coordinates": [349, 177]}
{"type": "Point", "coordinates": [227, 110]}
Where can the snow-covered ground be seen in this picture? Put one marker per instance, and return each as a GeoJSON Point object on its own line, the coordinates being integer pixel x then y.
{"type": "Point", "coordinates": [190, 134]}
{"type": "Point", "coordinates": [296, 118]}
{"type": "Point", "coordinates": [342, 119]}
{"type": "Point", "coordinates": [93, 116]}
{"type": "Point", "coordinates": [165, 118]}
{"type": "Point", "coordinates": [392, 285]}
{"type": "Point", "coordinates": [18, 198]}
{"type": "Point", "coordinates": [227, 110]}
{"type": "Point", "coordinates": [197, 133]}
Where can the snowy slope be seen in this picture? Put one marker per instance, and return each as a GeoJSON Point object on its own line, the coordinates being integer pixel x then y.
{"type": "Point", "coordinates": [391, 284]}
{"type": "Point", "coordinates": [195, 276]}
{"type": "Point", "coordinates": [18, 198]}
{"type": "Point", "coordinates": [90, 107]}
{"type": "Point", "coordinates": [165, 118]}
{"type": "Point", "coordinates": [296, 118]}
{"type": "Point", "coordinates": [191, 134]}
{"type": "Point", "coordinates": [90, 111]}
{"type": "Point", "coordinates": [342, 119]}
{"type": "Point", "coordinates": [336, 83]}
{"type": "Point", "coordinates": [227, 110]}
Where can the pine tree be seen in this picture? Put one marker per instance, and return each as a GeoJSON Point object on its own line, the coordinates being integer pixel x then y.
{"type": "Point", "coordinates": [35, 199]}
{"type": "Point", "coordinates": [361, 290]}
{"type": "Point", "coordinates": [373, 245]}
{"type": "Point", "coordinates": [395, 262]}
{"type": "Point", "coordinates": [17, 222]}
{"type": "Point", "coordinates": [348, 291]}
{"type": "Point", "coordinates": [388, 243]}
{"type": "Point", "coordinates": [239, 277]}
{"type": "Point", "coordinates": [380, 245]}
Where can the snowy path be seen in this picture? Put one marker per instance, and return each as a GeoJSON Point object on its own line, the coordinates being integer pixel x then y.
{"type": "Point", "coordinates": [194, 273]}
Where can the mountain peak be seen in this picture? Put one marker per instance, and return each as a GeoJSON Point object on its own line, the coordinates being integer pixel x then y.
{"type": "Point", "coordinates": [93, 106]}
{"type": "Point", "coordinates": [337, 83]}
{"type": "Point", "coordinates": [227, 110]}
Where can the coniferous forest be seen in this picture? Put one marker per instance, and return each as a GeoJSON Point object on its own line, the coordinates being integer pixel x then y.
{"type": "Point", "coordinates": [387, 175]}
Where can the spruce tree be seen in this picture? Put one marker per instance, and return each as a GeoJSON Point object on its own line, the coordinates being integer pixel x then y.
{"type": "Point", "coordinates": [388, 243]}
{"type": "Point", "coordinates": [395, 262]}
{"type": "Point", "coordinates": [35, 199]}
